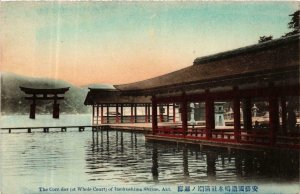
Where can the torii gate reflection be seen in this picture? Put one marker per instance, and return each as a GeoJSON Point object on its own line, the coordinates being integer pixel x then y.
{"type": "Point", "coordinates": [44, 94]}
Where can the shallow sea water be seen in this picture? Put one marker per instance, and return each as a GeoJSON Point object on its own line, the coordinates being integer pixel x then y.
{"type": "Point", "coordinates": [71, 159]}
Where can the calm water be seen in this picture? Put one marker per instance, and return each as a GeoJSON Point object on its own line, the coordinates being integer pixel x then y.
{"type": "Point", "coordinates": [72, 159]}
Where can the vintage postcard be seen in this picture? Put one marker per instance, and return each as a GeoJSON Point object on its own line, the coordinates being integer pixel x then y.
{"type": "Point", "coordinates": [193, 97]}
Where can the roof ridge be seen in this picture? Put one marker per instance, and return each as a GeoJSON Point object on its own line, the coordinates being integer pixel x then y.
{"type": "Point", "coordinates": [250, 48]}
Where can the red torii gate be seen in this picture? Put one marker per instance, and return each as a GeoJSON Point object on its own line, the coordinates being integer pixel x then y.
{"type": "Point", "coordinates": [44, 94]}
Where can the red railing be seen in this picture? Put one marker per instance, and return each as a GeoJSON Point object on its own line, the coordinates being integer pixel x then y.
{"type": "Point", "coordinates": [255, 139]}
{"type": "Point", "coordinates": [227, 135]}
{"type": "Point", "coordinates": [163, 130]}
{"type": "Point", "coordinates": [287, 139]}
{"type": "Point", "coordinates": [196, 133]}
{"type": "Point", "coordinates": [224, 135]}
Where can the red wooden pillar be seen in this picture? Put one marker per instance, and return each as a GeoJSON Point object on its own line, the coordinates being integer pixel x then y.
{"type": "Point", "coordinates": [274, 117]}
{"type": "Point", "coordinates": [131, 113]}
{"type": "Point", "coordinates": [168, 112]}
{"type": "Point", "coordinates": [247, 116]}
{"type": "Point", "coordinates": [161, 114]}
{"type": "Point", "coordinates": [184, 112]}
{"type": "Point", "coordinates": [97, 114]}
{"type": "Point", "coordinates": [237, 119]}
{"type": "Point", "coordinates": [117, 111]}
{"type": "Point", "coordinates": [135, 113]}
{"type": "Point", "coordinates": [174, 113]}
{"type": "Point", "coordinates": [146, 113]}
{"type": "Point", "coordinates": [209, 115]}
{"type": "Point", "coordinates": [93, 115]}
{"type": "Point", "coordinates": [122, 117]}
{"type": "Point", "coordinates": [102, 117]}
{"type": "Point", "coordinates": [154, 115]}
{"type": "Point", "coordinates": [107, 113]}
{"type": "Point", "coordinates": [283, 114]}
{"type": "Point", "coordinates": [149, 113]}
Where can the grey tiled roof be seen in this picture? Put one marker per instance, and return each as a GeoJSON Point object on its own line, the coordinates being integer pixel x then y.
{"type": "Point", "coordinates": [275, 55]}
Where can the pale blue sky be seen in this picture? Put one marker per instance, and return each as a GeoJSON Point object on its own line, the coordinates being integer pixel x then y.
{"type": "Point", "coordinates": [120, 42]}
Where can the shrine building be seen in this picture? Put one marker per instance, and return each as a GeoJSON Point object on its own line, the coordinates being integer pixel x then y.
{"type": "Point", "coordinates": [263, 77]}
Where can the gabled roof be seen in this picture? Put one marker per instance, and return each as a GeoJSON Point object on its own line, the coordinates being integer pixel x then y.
{"type": "Point", "coordinates": [272, 57]}
{"type": "Point", "coordinates": [260, 63]}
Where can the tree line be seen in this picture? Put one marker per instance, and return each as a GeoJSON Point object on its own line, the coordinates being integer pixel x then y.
{"type": "Point", "coordinates": [293, 25]}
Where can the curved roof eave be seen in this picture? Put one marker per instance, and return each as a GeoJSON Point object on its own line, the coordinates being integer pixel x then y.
{"type": "Point", "coordinates": [264, 57]}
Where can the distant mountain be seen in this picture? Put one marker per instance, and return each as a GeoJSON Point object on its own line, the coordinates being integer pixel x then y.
{"type": "Point", "coordinates": [13, 102]}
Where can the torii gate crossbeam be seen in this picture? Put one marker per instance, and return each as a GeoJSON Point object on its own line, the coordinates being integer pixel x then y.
{"type": "Point", "coordinates": [44, 94]}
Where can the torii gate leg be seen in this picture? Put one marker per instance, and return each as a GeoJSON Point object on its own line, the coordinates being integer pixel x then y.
{"type": "Point", "coordinates": [32, 110]}
{"type": "Point", "coordinates": [55, 110]}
